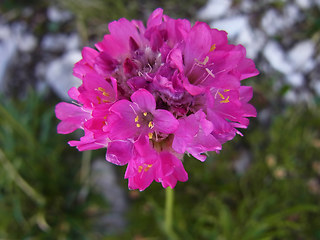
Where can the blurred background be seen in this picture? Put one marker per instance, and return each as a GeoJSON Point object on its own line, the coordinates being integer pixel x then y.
{"type": "Point", "coordinates": [265, 185]}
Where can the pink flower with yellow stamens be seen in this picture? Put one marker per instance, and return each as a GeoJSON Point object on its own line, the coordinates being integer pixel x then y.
{"type": "Point", "coordinates": [151, 94]}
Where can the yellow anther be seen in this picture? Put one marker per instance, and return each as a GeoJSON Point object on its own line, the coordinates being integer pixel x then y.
{"type": "Point", "coordinates": [225, 101]}
{"type": "Point", "coordinates": [101, 89]}
{"type": "Point", "coordinates": [220, 94]}
{"type": "Point", "coordinates": [136, 119]}
{"type": "Point", "coordinates": [150, 135]}
{"type": "Point", "coordinates": [151, 125]}
{"type": "Point", "coordinates": [205, 61]}
{"type": "Point", "coordinates": [140, 169]}
{"type": "Point", "coordinates": [138, 125]}
{"type": "Point", "coordinates": [147, 167]}
{"type": "Point", "coordinates": [99, 99]}
{"type": "Point", "coordinates": [213, 47]}
{"type": "Point", "coordinates": [145, 114]}
{"type": "Point", "coordinates": [105, 94]}
{"type": "Point", "coordinates": [226, 90]}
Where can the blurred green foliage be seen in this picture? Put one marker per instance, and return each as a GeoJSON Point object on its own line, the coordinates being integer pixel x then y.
{"type": "Point", "coordinates": [40, 183]}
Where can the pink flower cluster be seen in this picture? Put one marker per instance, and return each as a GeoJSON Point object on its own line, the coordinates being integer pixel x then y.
{"type": "Point", "coordinates": [151, 94]}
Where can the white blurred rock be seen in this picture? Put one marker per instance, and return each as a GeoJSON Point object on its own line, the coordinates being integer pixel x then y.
{"type": "Point", "coordinates": [60, 42]}
{"type": "Point", "coordinates": [54, 42]}
{"type": "Point", "coordinates": [275, 55]}
{"type": "Point", "coordinates": [233, 25]}
{"type": "Point", "coordinates": [73, 42]}
{"type": "Point", "coordinates": [292, 14]}
{"type": "Point", "coordinates": [301, 55]}
{"type": "Point", "coordinates": [58, 15]}
{"type": "Point", "coordinates": [295, 79]}
{"type": "Point", "coordinates": [214, 9]}
{"type": "Point", "coordinates": [104, 180]}
{"type": "Point", "coordinates": [27, 43]}
{"type": "Point", "coordinates": [315, 84]}
{"type": "Point", "coordinates": [304, 4]}
{"type": "Point", "coordinates": [8, 49]}
{"type": "Point", "coordinates": [252, 40]}
{"type": "Point", "coordinates": [248, 5]}
{"type": "Point", "coordinates": [272, 22]}
{"type": "Point", "coordinates": [59, 74]}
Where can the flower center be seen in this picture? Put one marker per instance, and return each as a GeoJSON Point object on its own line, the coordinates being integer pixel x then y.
{"type": "Point", "coordinates": [145, 120]}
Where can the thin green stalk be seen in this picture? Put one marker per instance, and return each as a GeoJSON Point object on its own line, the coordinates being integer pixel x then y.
{"type": "Point", "coordinates": [21, 183]}
{"type": "Point", "coordinates": [85, 166]}
{"type": "Point", "coordinates": [169, 209]}
{"type": "Point", "coordinates": [16, 125]}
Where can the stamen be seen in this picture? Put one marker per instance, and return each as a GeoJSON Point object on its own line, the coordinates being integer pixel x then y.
{"type": "Point", "coordinates": [147, 167]}
{"type": "Point", "coordinates": [101, 89]}
{"type": "Point", "coordinates": [225, 101]}
{"type": "Point", "coordinates": [205, 61]}
{"type": "Point", "coordinates": [151, 125]}
{"type": "Point", "coordinates": [213, 47]}
{"type": "Point", "coordinates": [220, 94]}
{"type": "Point", "coordinates": [145, 114]}
{"type": "Point", "coordinates": [138, 125]}
{"type": "Point", "coordinates": [105, 94]}
{"type": "Point", "coordinates": [150, 135]}
{"type": "Point", "coordinates": [140, 169]}
{"type": "Point", "coordinates": [136, 119]}
{"type": "Point", "coordinates": [210, 72]}
{"type": "Point", "coordinates": [226, 90]}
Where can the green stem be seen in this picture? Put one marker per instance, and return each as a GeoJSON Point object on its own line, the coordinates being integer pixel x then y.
{"type": "Point", "coordinates": [85, 175]}
{"type": "Point", "coordinates": [85, 166]}
{"type": "Point", "coordinates": [168, 209]}
{"type": "Point", "coordinates": [21, 183]}
{"type": "Point", "coordinates": [16, 125]}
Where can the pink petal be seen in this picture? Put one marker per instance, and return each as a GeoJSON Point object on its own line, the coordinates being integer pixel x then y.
{"type": "Point", "coordinates": [144, 99]}
{"type": "Point", "coordinates": [198, 43]}
{"type": "Point", "coordinates": [125, 127]}
{"type": "Point", "coordinates": [164, 121]}
{"type": "Point", "coordinates": [89, 55]}
{"type": "Point", "coordinates": [155, 18]}
{"type": "Point", "coordinates": [175, 59]}
{"type": "Point", "coordinates": [72, 117]}
{"type": "Point", "coordinates": [119, 152]}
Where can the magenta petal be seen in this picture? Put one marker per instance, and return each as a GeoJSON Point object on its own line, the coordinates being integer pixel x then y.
{"type": "Point", "coordinates": [246, 93]}
{"type": "Point", "coordinates": [175, 59]}
{"type": "Point", "coordinates": [119, 152]}
{"type": "Point", "coordinates": [144, 99]}
{"type": "Point", "coordinates": [164, 121]}
{"type": "Point", "coordinates": [89, 142]}
{"type": "Point", "coordinates": [170, 170]}
{"type": "Point", "coordinates": [125, 126]}
{"type": "Point", "coordinates": [192, 89]}
{"type": "Point", "coordinates": [89, 55]}
{"type": "Point", "coordinates": [72, 117]}
{"type": "Point", "coordinates": [198, 43]}
{"type": "Point", "coordinates": [155, 18]}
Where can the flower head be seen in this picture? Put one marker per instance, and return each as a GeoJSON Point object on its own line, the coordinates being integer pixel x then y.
{"type": "Point", "coordinates": [151, 94]}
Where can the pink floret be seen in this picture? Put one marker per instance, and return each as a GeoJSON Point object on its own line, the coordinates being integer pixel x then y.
{"type": "Point", "coordinates": [151, 94]}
